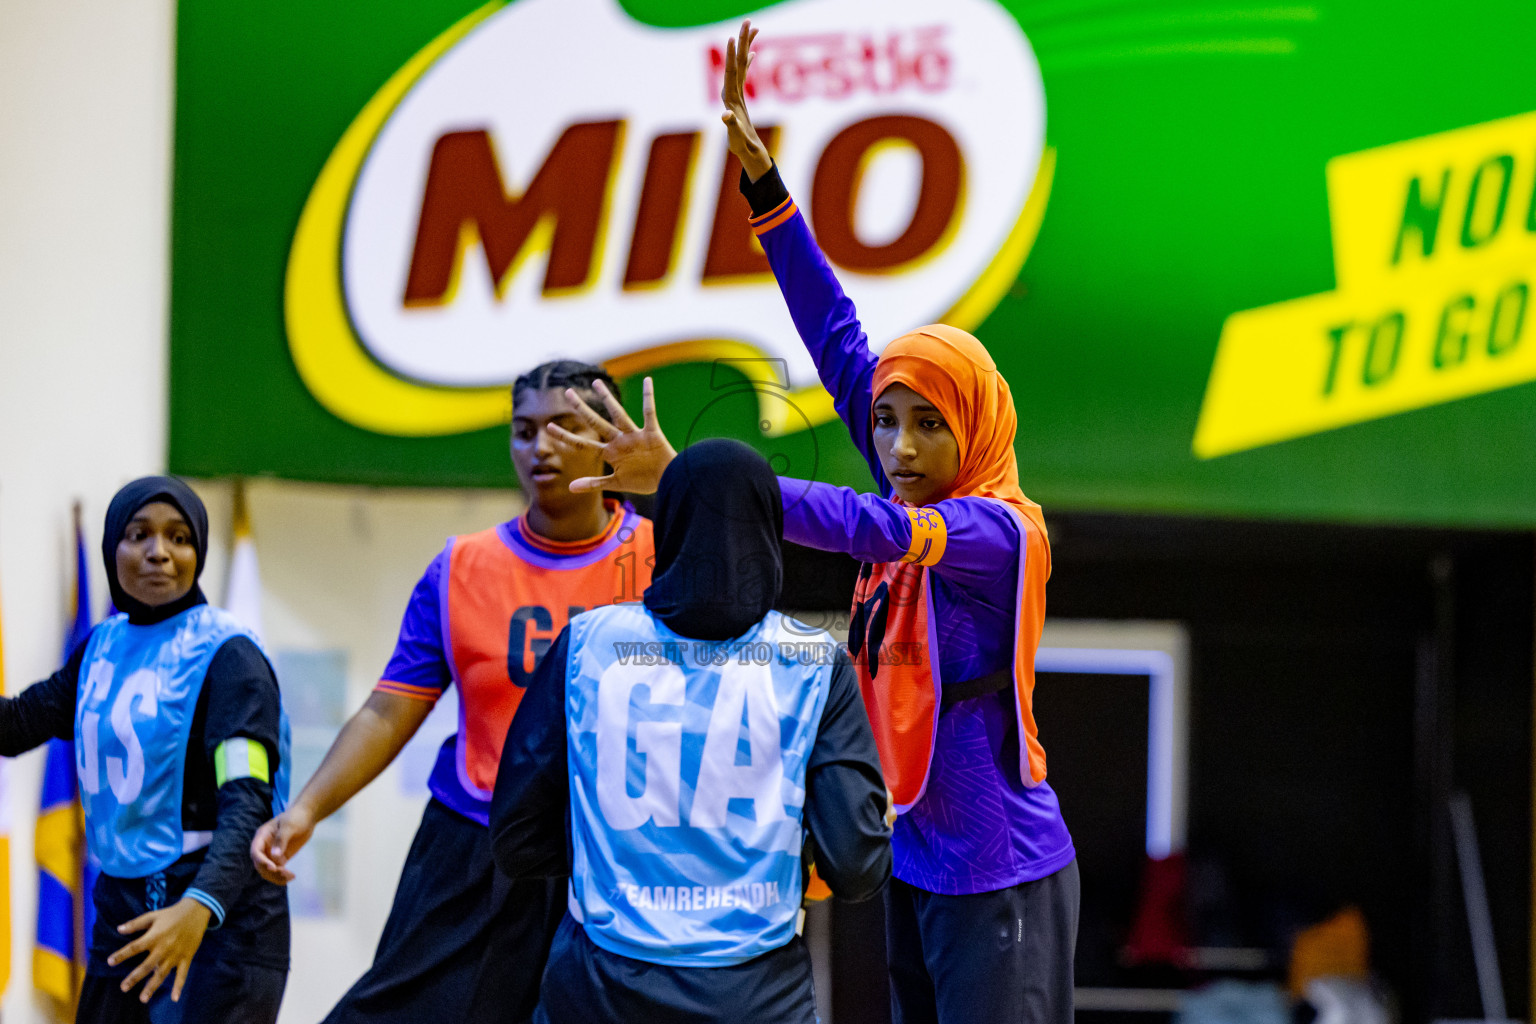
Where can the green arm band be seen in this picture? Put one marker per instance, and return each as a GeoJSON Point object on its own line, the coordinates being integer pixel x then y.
{"type": "Point", "coordinates": [241, 758]}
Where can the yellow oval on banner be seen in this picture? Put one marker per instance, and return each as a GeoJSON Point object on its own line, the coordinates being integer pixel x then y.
{"type": "Point", "coordinates": [354, 386]}
{"type": "Point", "coordinates": [330, 359]}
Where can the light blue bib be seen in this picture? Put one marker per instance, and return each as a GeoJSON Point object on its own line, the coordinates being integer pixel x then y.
{"type": "Point", "coordinates": [687, 763]}
{"type": "Point", "coordinates": [138, 693]}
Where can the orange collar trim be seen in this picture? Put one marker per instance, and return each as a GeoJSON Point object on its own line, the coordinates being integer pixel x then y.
{"type": "Point", "coordinates": [574, 547]}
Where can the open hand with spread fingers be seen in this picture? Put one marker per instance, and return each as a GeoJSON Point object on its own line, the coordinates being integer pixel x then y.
{"type": "Point", "coordinates": [749, 149]}
{"type": "Point", "coordinates": [171, 938]}
{"type": "Point", "coordinates": [637, 455]}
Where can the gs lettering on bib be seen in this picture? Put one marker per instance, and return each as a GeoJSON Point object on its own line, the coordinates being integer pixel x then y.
{"type": "Point", "coordinates": [139, 687]}
{"type": "Point", "coordinates": [505, 597]}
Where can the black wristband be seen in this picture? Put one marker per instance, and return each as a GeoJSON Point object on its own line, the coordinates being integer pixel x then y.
{"type": "Point", "coordinates": [766, 192]}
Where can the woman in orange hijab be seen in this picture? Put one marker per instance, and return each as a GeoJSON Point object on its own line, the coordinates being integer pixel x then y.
{"type": "Point", "coordinates": [981, 914]}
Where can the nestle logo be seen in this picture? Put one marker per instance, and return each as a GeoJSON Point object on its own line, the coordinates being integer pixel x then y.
{"type": "Point", "coordinates": [837, 65]}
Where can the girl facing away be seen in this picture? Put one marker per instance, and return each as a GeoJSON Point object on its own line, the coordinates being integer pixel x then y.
{"type": "Point", "coordinates": [181, 749]}
{"type": "Point", "coordinates": [686, 881]}
{"type": "Point", "coordinates": [981, 912]}
{"type": "Point", "coordinates": [463, 943]}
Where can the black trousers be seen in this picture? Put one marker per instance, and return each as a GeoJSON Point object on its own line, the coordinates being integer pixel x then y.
{"type": "Point", "coordinates": [1001, 957]}
{"type": "Point", "coordinates": [237, 976]}
{"type": "Point", "coordinates": [585, 983]}
{"type": "Point", "coordinates": [217, 992]}
{"type": "Point", "coordinates": [463, 942]}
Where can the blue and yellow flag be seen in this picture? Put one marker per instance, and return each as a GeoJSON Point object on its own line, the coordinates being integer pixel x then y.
{"type": "Point", "coordinates": [5, 851]}
{"type": "Point", "coordinates": [64, 877]}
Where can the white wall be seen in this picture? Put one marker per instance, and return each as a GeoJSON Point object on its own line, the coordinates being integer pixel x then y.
{"type": "Point", "coordinates": [85, 139]}
{"type": "Point", "coordinates": [84, 181]}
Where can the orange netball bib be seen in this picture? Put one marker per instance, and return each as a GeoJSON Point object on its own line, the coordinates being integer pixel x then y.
{"type": "Point", "coordinates": [507, 595]}
{"type": "Point", "coordinates": [890, 638]}
{"type": "Point", "coordinates": [893, 641]}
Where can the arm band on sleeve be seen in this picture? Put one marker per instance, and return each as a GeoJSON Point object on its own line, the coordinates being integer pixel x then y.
{"type": "Point", "coordinates": [430, 694]}
{"type": "Point", "coordinates": [774, 217]}
{"type": "Point", "coordinates": [241, 758]}
{"type": "Point", "coordinates": [213, 905]}
{"type": "Point", "coordinates": [929, 536]}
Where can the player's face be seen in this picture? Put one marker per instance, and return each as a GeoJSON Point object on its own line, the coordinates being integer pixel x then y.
{"type": "Point", "coordinates": [157, 557]}
{"type": "Point", "coordinates": [919, 452]}
{"type": "Point", "coordinates": [545, 467]}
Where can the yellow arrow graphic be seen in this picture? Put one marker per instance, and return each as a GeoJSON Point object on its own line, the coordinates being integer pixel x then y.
{"type": "Point", "coordinates": [1434, 244]}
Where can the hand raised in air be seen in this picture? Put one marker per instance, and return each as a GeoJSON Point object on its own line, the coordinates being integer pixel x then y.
{"type": "Point", "coordinates": [638, 455]}
{"type": "Point", "coordinates": [749, 149]}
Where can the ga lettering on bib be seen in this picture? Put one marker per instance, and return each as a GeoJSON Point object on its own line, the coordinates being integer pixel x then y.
{"type": "Point", "coordinates": [688, 762]}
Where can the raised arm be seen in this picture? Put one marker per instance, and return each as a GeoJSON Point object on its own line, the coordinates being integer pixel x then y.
{"type": "Point", "coordinates": [824, 316]}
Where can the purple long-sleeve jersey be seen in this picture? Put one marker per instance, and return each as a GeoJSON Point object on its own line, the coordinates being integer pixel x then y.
{"type": "Point", "coordinates": [977, 828]}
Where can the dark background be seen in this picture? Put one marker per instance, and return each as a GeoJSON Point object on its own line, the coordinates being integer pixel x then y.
{"type": "Point", "coordinates": [1343, 682]}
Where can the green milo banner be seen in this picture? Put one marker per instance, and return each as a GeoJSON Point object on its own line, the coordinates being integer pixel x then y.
{"type": "Point", "coordinates": [1270, 260]}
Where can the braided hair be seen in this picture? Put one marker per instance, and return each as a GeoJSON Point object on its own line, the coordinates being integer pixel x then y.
{"type": "Point", "coordinates": [568, 373]}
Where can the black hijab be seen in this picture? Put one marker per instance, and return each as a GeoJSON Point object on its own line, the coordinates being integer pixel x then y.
{"type": "Point", "coordinates": [719, 523]}
{"type": "Point", "coordinates": [125, 504]}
